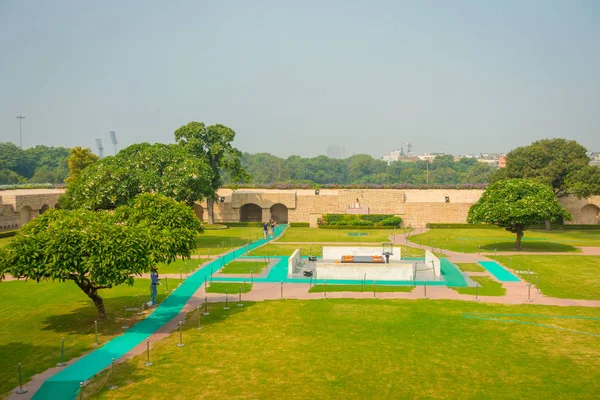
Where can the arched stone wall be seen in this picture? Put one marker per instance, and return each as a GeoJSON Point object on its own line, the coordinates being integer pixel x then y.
{"type": "Point", "coordinates": [279, 213]}
{"type": "Point", "coordinates": [250, 213]}
{"type": "Point", "coordinates": [25, 215]}
{"type": "Point", "coordinates": [590, 214]}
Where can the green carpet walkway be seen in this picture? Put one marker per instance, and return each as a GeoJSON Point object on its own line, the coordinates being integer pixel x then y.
{"type": "Point", "coordinates": [65, 384]}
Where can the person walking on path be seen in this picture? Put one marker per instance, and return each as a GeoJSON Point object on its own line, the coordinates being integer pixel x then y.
{"type": "Point", "coordinates": [266, 229]}
{"type": "Point", "coordinates": [153, 284]}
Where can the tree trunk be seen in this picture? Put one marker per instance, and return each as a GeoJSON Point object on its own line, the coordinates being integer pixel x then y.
{"type": "Point", "coordinates": [548, 225]}
{"type": "Point", "coordinates": [92, 293]}
{"type": "Point", "coordinates": [210, 209]}
{"type": "Point", "coordinates": [99, 303]}
{"type": "Point", "coordinates": [518, 242]}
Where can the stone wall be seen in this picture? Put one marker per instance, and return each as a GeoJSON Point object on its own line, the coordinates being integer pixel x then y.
{"type": "Point", "coordinates": [416, 207]}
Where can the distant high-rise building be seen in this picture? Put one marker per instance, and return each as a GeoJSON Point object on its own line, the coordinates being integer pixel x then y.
{"type": "Point", "coordinates": [335, 151]}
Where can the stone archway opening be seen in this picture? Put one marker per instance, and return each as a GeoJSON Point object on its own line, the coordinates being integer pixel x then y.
{"type": "Point", "coordinates": [199, 210]}
{"type": "Point", "coordinates": [279, 213]}
{"type": "Point", "coordinates": [25, 215]}
{"type": "Point", "coordinates": [590, 214]}
{"type": "Point", "coordinates": [250, 213]}
{"type": "Point", "coordinates": [44, 208]}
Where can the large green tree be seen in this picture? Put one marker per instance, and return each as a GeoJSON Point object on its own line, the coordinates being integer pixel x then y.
{"type": "Point", "coordinates": [213, 144]}
{"type": "Point", "coordinates": [562, 164]}
{"type": "Point", "coordinates": [516, 205]}
{"type": "Point", "coordinates": [101, 249]}
{"type": "Point", "coordinates": [79, 159]}
{"type": "Point", "coordinates": [141, 168]}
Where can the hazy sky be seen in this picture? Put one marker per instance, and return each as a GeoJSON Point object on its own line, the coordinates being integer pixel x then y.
{"type": "Point", "coordinates": [291, 77]}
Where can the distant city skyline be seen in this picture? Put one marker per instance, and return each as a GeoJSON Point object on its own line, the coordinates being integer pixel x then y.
{"type": "Point", "coordinates": [291, 78]}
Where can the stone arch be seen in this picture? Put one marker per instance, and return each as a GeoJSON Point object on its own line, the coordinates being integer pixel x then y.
{"type": "Point", "coordinates": [279, 213]}
{"type": "Point", "coordinates": [44, 208]}
{"type": "Point", "coordinates": [199, 210]}
{"type": "Point", "coordinates": [250, 213]}
{"type": "Point", "coordinates": [25, 215]}
{"type": "Point", "coordinates": [590, 214]}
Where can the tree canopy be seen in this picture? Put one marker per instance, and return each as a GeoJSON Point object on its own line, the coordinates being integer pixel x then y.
{"type": "Point", "coordinates": [213, 145]}
{"type": "Point", "coordinates": [140, 168]}
{"type": "Point", "coordinates": [39, 164]}
{"type": "Point", "coordinates": [79, 159]}
{"type": "Point", "coordinates": [515, 205]}
{"type": "Point", "coordinates": [562, 164]}
{"type": "Point", "coordinates": [101, 249]}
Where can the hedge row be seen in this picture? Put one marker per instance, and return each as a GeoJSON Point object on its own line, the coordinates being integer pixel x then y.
{"type": "Point", "coordinates": [461, 226]}
{"type": "Point", "coordinates": [6, 234]}
{"type": "Point", "coordinates": [359, 220]}
{"type": "Point", "coordinates": [567, 227]}
{"type": "Point", "coordinates": [299, 224]}
{"type": "Point", "coordinates": [244, 224]}
{"type": "Point", "coordinates": [358, 228]}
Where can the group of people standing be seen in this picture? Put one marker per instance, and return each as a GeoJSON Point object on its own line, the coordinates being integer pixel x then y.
{"type": "Point", "coordinates": [269, 228]}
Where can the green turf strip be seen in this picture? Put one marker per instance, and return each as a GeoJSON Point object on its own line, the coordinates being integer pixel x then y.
{"type": "Point", "coordinates": [359, 288]}
{"type": "Point", "coordinates": [243, 267]}
{"type": "Point", "coordinates": [231, 288]}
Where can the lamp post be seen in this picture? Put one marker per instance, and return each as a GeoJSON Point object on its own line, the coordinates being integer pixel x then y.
{"type": "Point", "coordinates": [21, 118]}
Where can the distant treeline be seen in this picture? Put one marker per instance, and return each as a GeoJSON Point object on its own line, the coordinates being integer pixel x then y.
{"type": "Point", "coordinates": [39, 164]}
{"type": "Point", "coordinates": [363, 169]}
{"type": "Point", "coordinates": [42, 164]}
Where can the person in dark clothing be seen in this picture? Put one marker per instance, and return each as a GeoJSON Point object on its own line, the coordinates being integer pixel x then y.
{"type": "Point", "coordinates": [153, 284]}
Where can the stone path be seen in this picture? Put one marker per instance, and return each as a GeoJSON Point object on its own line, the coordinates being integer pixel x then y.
{"type": "Point", "coordinates": [516, 293]}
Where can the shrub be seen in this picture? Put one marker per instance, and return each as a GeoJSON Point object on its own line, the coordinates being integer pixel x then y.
{"type": "Point", "coordinates": [390, 221]}
{"type": "Point", "coordinates": [360, 223]}
{"type": "Point", "coordinates": [374, 218]}
{"type": "Point", "coordinates": [6, 234]}
{"type": "Point", "coordinates": [299, 224]}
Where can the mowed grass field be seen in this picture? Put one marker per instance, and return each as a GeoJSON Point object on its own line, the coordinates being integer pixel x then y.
{"type": "Point", "coordinates": [180, 265]}
{"type": "Point", "coordinates": [370, 349]}
{"type": "Point", "coordinates": [222, 240]}
{"type": "Point", "coordinates": [35, 316]}
{"type": "Point", "coordinates": [567, 277]}
{"type": "Point", "coordinates": [489, 240]}
{"type": "Point", "coordinates": [305, 235]}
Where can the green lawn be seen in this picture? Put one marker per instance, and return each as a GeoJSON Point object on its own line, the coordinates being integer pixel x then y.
{"type": "Point", "coordinates": [487, 287]}
{"type": "Point", "coordinates": [231, 288]}
{"type": "Point", "coordinates": [219, 241]}
{"type": "Point", "coordinates": [370, 349]}
{"type": "Point", "coordinates": [359, 288]}
{"type": "Point", "coordinates": [317, 250]}
{"type": "Point", "coordinates": [243, 267]}
{"type": "Point", "coordinates": [34, 317]}
{"type": "Point", "coordinates": [489, 240]}
{"type": "Point", "coordinates": [5, 241]}
{"type": "Point", "coordinates": [184, 265]}
{"type": "Point", "coordinates": [568, 277]}
{"type": "Point", "coordinates": [305, 235]}
{"type": "Point", "coordinates": [470, 267]}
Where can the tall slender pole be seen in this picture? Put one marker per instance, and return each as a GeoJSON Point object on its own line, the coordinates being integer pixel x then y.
{"type": "Point", "coordinates": [21, 118]}
{"type": "Point", "coordinates": [148, 362]}
{"type": "Point", "coordinates": [20, 390]}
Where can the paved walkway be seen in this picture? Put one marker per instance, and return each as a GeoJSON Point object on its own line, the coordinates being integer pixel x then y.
{"type": "Point", "coordinates": [516, 293]}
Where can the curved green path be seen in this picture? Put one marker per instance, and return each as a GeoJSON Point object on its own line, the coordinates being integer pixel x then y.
{"type": "Point", "coordinates": [65, 384]}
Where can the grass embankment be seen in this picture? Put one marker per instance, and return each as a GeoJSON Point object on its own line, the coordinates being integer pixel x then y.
{"type": "Point", "coordinates": [231, 288]}
{"type": "Point", "coordinates": [317, 250]}
{"type": "Point", "coordinates": [566, 277]}
{"type": "Point", "coordinates": [487, 287]}
{"type": "Point", "coordinates": [183, 266]}
{"type": "Point", "coordinates": [306, 235]}
{"type": "Point", "coordinates": [34, 317]}
{"type": "Point", "coordinates": [470, 267]}
{"type": "Point", "coordinates": [220, 241]}
{"type": "Point", "coordinates": [359, 288]}
{"type": "Point", "coordinates": [490, 240]}
{"type": "Point", "coordinates": [243, 267]}
{"type": "Point", "coordinates": [365, 349]}
{"type": "Point", "coordinates": [5, 241]}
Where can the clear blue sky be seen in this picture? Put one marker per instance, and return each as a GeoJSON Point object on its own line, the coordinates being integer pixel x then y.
{"type": "Point", "coordinates": [293, 77]}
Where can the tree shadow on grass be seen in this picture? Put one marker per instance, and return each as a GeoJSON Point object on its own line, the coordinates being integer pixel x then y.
{"type": "Point", "coordinates": [527, 246]}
